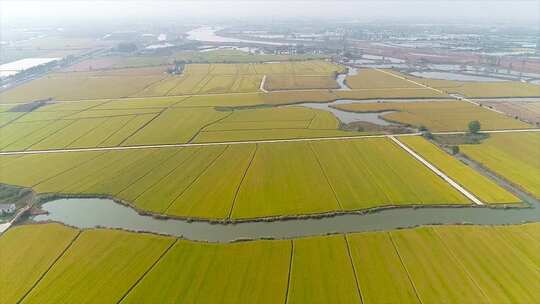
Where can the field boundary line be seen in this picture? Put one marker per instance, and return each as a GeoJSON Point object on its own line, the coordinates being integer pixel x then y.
{"type": "Point", "coordinates": [438, 172]}
{"type": "Point", "coordinates": [99, 124]}
{"type": "Point", "coordinates": [148, 270]}
{"type": "Point", "coordinates": [4, 145]}
{"type": "Point", "coordinates": [196, 178]}
{"type": "Point", "coordinates": [128, 167]}
{"type": "Point", "coordinates": [353, 268]}
{"type": "Point", "coordinates": [176, 84]}
{"type": "Point", "coordinates": [142, 126]}
{"type": "Point", "coordinates": [290, 273]}
{"type": "Point", "coordinates": [506, 240]}
{"type": "Point", "coordinates": [389, 234]}
{"type": "Point", "coordinates": [117, 130]}
{"type": "Point", "coordinates": [148, 86]}
{"type": "Point", "coordinates": [458, 262]}
{"type": "Point", "coordinates": [183, 145]}
{"type": "Point", "coordinates": [201, 129]}
{"type": "Point", "coordinates": [75, 166]}
{"type": "Point", "coordinates": [530, 235]}
{"type": "Point", "coordinates": [75, 238]}
{"type": "Point", "coordinates": [182, 100]}
{"type": "Point", "coordinates": [242, 180]}
{"type": "Point", "coordinates": [325, 176]}
{"type": "Point", "coordinates": [70, 122]}
{"type": "Point", "coordinates": [166, 175]}
{"type": "Point", "coordinates": [148, 172]}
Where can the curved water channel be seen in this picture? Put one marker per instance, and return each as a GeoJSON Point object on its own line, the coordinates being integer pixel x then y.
{"type": "Point", "coordinates": [347, 117]}
{"type": "Point", "coordinates": [93, 212]}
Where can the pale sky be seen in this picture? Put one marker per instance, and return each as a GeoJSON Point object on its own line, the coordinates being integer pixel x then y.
{"type": "Point", "coordinates": [479, 11]}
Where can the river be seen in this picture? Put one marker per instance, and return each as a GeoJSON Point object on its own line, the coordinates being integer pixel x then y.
{"type": "Point", "coordinates": [208, 34]}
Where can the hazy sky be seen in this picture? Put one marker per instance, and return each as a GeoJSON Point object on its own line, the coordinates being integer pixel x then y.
{"type": "Point", "coordinates": [472, 11]}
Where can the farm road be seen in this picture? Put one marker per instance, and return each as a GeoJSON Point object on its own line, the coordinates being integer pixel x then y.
{"type": "Point", "coordinates": [241, 142]}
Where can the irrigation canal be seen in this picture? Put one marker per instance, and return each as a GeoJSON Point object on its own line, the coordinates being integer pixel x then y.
{"type": "Point", "coordinates": [93, 212]}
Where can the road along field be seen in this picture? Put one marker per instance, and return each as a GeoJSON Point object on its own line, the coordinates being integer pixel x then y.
{"type": "Point", "coordinates": [454, 264]}
{"type": "Point", "coordinates": [516, 157]}
{"type": "Point", "coordinates": [451, 115]}
{"type": "Point", "coordinates": [321, 177]}
{"type": "Point", "coordinates": [485, 189]}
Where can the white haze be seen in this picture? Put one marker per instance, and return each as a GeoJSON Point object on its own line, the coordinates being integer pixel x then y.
{"type": "Point", "coordinates": [518, 12]}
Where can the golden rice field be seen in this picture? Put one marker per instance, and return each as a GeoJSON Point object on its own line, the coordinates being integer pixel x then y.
{"type": "Point", "coordinates": [375, 79]}
{"type": "Point", "coordinates": [154, 81]}
{"type": "Point", "coordinates": [457, 264]}
{"type": "Point", "coordinates": [23, 260]}
{"type": "Point", "coordinates": [245, 181]}
{"type": "Point", "coordinates": [299, 82]}
{"type": "Point", "coordinates": [109, 123]}
{"type": "Point", "coordinates": [110, 261]}
{"type": "Point", "coordinates": [514, 156]}
{"type": "Point", "coordinates": [485, 189]}
{"type": "Point", "coordinates": [220, 78]}
{"type": "Point", "coordinates": [85, 85]}
{"type": "Point", "coordinates": [438, 115]}
{"type": "Point", "coordinates": [246, 77]}
{"type": "Point", "coordinates": [272, 123]}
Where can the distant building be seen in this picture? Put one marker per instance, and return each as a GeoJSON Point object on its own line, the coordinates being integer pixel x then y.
{"type": "Point", "coordinates": [7, 208]}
